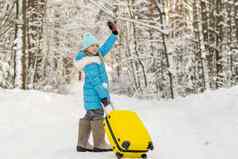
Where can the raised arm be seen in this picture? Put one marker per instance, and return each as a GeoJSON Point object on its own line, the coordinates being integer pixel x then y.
{"type": "Point", "coordinates": [106, 47]}
{"type": "Point", "coordinates": [108, 44]}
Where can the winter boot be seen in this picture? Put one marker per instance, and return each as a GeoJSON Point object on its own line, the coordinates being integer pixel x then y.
{"type": "Point", "coordinates": [98, 132]}
{"type": "Point", "coordinates": [83, 136]}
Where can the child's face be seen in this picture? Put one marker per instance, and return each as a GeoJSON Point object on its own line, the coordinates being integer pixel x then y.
{"type": "Point", "coordinates": [92, 49]}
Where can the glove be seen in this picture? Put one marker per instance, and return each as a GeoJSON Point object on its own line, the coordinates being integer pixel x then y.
{"type": "Point", "coordinates": [105, 102]}
{"type": "Point", "coordinates": [107, 105]}
{"type": "Point", "coordinates": [112, 27]}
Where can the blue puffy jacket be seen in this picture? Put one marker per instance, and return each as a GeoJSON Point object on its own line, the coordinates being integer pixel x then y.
{"type": "Point", "coordinates": [96, 77]}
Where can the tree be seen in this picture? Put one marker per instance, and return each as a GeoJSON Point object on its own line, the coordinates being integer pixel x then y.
{"type": "Point", "coordinates": [20, 69]}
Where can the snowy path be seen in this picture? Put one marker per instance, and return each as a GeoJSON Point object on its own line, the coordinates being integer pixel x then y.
{"type": "Point", "coordinates": [37, 125]}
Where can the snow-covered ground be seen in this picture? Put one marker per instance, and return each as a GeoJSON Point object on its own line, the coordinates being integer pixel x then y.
{"type": "Point", "coordinates": [39, 125]}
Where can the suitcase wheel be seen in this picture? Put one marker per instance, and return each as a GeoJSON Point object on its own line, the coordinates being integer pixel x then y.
{"type": "Point", "coordinates": [144, 156]}
{"type": "Point", "coordinates": [119, 155]}
{"type": "Point", "coordinates": [150, 146]}
{"type": "Point", "coordinates": [126, 145]}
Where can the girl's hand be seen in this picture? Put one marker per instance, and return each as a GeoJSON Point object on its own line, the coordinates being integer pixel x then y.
{"type": "Point", "coordinates": [105, 102]}
{"type": "Point", "coordinates": [112, 26]}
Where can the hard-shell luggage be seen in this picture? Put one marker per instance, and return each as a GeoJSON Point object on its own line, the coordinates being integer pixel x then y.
{"type": "Point", "coordinates": [127, 134]}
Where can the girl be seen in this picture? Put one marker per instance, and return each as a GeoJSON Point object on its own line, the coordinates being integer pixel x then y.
{"type": "Point", "coordinates": [96, 94]}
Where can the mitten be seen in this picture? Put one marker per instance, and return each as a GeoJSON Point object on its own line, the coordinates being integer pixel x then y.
{"type": "Point", "coordinates": [112, 27]}
{"type": "Point", "coordinates": [107, 105]}
{"type": "Point", "coordinates": [105, 102]}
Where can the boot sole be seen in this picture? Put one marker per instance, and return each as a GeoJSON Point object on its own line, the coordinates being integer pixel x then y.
{"type": "Point", "coordinates": [82, 149]}
{"type": "Point", "coordinates": [101, 150]}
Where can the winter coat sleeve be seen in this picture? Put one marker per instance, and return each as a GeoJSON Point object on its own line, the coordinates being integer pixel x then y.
{"type": "Point", "coordinates": [79, 55]}
{"type": "Point", "coordinates": [98, 85]}
{"type": "Point", "coordinates": [108, 44]}
{"type": "Point", "coordinates": [78, 60]}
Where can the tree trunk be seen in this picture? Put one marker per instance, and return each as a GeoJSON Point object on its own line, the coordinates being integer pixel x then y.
{"type": "Point", "coordinates": [20, 68]}
{"type": "Point", "coordinates": [165, 52]}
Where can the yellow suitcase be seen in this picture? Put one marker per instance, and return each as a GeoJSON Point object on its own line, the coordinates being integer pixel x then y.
{"type": "Point", "coordinates": [127, 134]}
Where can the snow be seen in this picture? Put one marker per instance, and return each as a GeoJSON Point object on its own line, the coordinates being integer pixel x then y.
{"type": "Point", "coordinates": [41, 125]}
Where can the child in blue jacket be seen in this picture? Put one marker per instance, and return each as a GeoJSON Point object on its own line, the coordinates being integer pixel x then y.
{"type": "Point", "coordinates": [95, 91]}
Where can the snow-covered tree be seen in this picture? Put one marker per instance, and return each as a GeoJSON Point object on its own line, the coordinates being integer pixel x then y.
{"type": "Point", "coordinates": [166, 48]}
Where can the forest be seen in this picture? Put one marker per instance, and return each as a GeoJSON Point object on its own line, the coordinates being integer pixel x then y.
{"type": "Point", "coordinates": [166, 48]}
